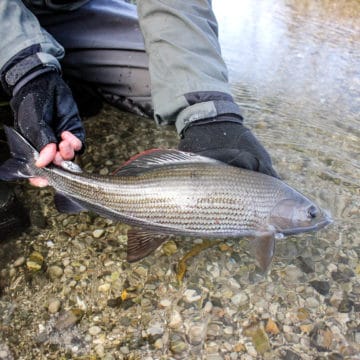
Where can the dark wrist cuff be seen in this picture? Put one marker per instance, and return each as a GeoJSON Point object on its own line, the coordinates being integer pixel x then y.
{"type": "Point", "coordinates": [27, 69]}
{"type": "Point", "coordinates": [233, 118]}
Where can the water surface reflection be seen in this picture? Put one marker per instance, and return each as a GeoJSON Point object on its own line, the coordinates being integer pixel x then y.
{"type": "Point", "coordinates": [295, 71]}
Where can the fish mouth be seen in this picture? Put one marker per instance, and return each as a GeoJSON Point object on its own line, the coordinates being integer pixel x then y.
{"type": "Point", "coordinates": [319, 225]}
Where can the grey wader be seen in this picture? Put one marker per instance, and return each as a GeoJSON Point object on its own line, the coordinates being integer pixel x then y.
{"type": "Point", "coordinates": [104, 49]}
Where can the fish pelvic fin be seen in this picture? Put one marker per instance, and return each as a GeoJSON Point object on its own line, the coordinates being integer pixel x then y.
{"type": "Point", "coordinates": [141, 243]}
{"type": "Point", "coordinates": [67, 204]}
{"type": "Point", "coordinates": [264, 248]}
{"type": "Point", "coordinates": [23, 157]}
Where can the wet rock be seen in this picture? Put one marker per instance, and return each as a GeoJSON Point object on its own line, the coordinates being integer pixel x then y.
{"type": "Point", "coordinates": [240, 299]}
{"type": "Point", "coordinates": [177, 345]}
{"type": "Point", "coordinates": [68, 319]}
{"type": "Point", "coordinates": [342, 275]}
{"type": "Point", "coordinates": [98, 233]}
{"type": "Point", "coordinates": [55, 272]}
{"type": "Point", "coordinates": [305, 264]}
{"type": "Point", "coordinates": [54, 306]}
{"type": "Point", "coordinates": [335, 356]}
{"type": "Point", "coordinates": [191, 295]}
{"type": "Point", "coordinates": [306, 328]}
{"type": "Point", "coordinates": [100, 350]}
{"type": "Point", "coordinates": [271, 327]}
{"type": "Point", "coordinates": [5, 353]}
{"type": "Point", "coordinates": [345, 306]}
{"type": "Point", "coordinates": [155, 330]}
{"type": "Point", "coordinates": [196, 334]}
{"type": "Point", "coordinates": [213, 331]}
{"type": "Point", "coordinates": [312, 302]}
{"type": "Point", "coordinates": [125, 350]}
{"type": "Point", "coordinates": [104, 287]}
{"type": "Point", "coordinates": [94, 330]}
{"type": "Point", "coordinates": [115, 302]}
{"type": "Point", "coordinates": [35, 261]}
{"type": "Point", "coordinates": [175, 319]}
{"type": "Point", "coordinates": [322, 287]}
{"type": "Point", "coordinates": [239, 347]}
{"type": "Point", "coordinates": [165, 303]}
{"type": "Point", "coordinates": [303, 314]}
{"type": "Point", "coordinates": [321, 337]}
{"type": "Point", "coordinates": [19, 261]}
{"type": "Point", "coordinates": [259, 338]}
{"type": "Point", "coordinates": [169, 248]}
{"type": "Point", "coordinates": [290, 355]}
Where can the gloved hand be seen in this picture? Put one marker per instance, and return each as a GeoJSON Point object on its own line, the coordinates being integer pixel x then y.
{"type": "Point", "coordinates": [227, 141]}
{"type": "Point", "coordinates": [44, 108]}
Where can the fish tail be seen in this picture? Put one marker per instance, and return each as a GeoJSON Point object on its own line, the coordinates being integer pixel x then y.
{"type": "Point", "coordinates": [23, 157]}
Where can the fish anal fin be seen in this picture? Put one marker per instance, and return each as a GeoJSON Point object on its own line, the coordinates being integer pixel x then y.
{"type": "Point", "coordinates": [264, 248]}
{"type": "Point", "coordinates": [67, 204]}
{"type": "Point", "coordinates": [141, 243]}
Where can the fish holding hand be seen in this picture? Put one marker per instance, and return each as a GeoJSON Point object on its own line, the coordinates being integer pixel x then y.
{"type": "Point", "coordinates": [168, 192]}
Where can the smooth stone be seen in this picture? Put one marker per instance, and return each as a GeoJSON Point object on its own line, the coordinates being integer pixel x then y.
{"type": "Point", "coordinates": [345, 306]}
{"type": "Point", "coordinates": [19, 261]}
{"type": "Point", "coordinates": [100, 350]}
{"type": "Point", "coordinates": [55, 272]}
{"type": "Point", "coordinates": [104, 287]}
{"type": "Point", "coordinates": [94, 330]}
{"type": "Point", "coordinates": [196, 334]}
{"type": "Point", "coordinates": [178, 347]}
{"type": "Point", "coordinates": [290, 355]}
{"type": "Point", "coordinates": [322, 287]}
{"type": "Point", "coordinates": [321, 337]}
{"type": "Point", "coordinates": [311, 302]}
{"type": "Point", "coordinates": [98, 233]}
{"type": "Point", "coordinates": [155, 330]}
{"type": "Point", "coordinates": [165, 303]}
{"type": "Point", "coordinates": [191, 295]}
{"type": "Point", "coordinates": [175, 319]}
{"type": "Point", "coordinates": [240, 299]}
{"type": "Point", "coordinates": [342, 275]}
{"type": "Point", "coordinates": [54, 306]}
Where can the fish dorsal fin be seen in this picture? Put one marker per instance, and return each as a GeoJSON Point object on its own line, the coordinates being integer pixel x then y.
{"type": "Point", "coordinates": [151, 159]}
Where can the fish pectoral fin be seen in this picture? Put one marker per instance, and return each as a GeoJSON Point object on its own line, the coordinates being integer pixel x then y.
{"type": "Point", "coordinates": [141, 243]}
{"type": "Point", "coordinates": [67, 204]}
{"type": "Point", "coordinates": [264, 246]}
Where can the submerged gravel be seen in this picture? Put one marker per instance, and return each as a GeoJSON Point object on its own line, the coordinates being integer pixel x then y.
{"type": "Point", "coordinates": [66, 290]}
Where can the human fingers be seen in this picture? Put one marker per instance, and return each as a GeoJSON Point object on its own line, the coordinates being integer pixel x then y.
{"type": "Point", "coordinates": [38, 181]}
{"type": "Point", "coordinates": [46, 155]}
{"type": "Point", "coordinates": [75, 142]}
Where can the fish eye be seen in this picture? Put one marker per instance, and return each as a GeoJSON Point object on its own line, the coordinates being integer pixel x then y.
{"type": "Point", "coordinates": [312, 211]}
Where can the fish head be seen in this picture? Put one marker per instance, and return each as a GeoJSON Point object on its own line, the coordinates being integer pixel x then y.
{"type": "Point", "coordinates": [298, 214]}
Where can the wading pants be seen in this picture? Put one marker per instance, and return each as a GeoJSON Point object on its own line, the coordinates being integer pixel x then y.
{"type": "Point", "coordinates": [105, 42]}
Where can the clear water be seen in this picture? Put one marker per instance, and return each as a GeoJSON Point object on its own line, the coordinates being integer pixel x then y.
{"type": "Point", "coordinates": [294, 67]}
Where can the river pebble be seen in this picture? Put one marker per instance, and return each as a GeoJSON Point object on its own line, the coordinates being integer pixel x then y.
{"type": "Point", "coordinates": [55, 272]}
{"type": "Point", "coordinates": [98, 233]}
{"type": "Point", "coordinates": [54, 306]}
{"type": "Point", "coordinates": [19, 261]}
{"type": "Point", "coordinates": [94, 330]}
{"type": "Point", "coordinates": [240, 299]}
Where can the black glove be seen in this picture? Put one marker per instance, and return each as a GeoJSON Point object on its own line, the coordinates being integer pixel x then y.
{"type": "Point", "coordinates": [44, 108]}
{"type": "Point", "coordinates": [227, 141]}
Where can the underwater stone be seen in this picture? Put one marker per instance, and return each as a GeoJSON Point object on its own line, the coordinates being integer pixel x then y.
{"type": "Point", "coordinates": [345, 306]}
{"type": "Point", "coordinates": [322, 287]}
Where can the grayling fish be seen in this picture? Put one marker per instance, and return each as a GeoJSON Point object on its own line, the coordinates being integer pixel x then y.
{"type": "Point", "coordinates": [168, 192]}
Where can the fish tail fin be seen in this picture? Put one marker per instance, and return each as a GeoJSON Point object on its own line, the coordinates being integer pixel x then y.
{"type": "Point", "coordinates": [23, 157]}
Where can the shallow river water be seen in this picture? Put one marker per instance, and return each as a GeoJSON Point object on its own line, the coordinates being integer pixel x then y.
{"type": "Point", "coordinates": [66, 290]}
